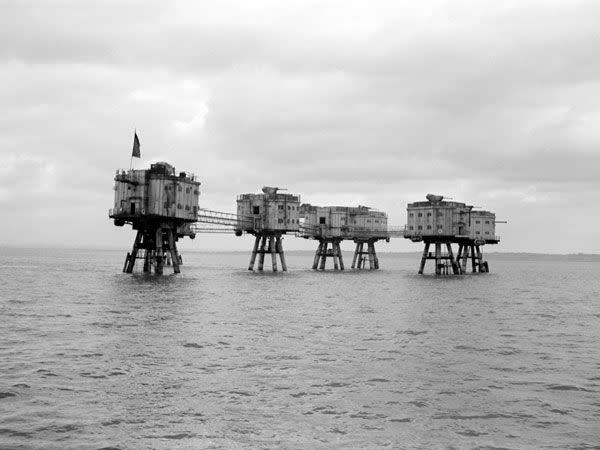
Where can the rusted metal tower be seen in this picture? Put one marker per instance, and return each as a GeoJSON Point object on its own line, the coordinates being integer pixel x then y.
{"type": "Point", "coordinates": [330, 225]}
{"type": "Point", "coordinates": [161, 206]}
{"type": "Point", "coordinates": [442, 223]}
{"type": "Point", "coordinates": [267, 216]}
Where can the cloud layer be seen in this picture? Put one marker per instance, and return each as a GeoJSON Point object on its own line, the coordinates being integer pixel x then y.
{"type": "Point", "coordinates": [350, 102]}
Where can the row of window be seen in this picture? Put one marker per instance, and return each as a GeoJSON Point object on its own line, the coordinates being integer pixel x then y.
{"type": "Point", "coordinates": [420, 227]}
{"type": "Point", "coordinates": [187, 207]}
{"type": "Point", "coordinates": [256, 209]}
{"type": "Point", "coordinates": [439, 214]}
{"type": "Point", "coordinates": [323, 221]}
{"type": "Point", "coordinates": [288, 221]}
{"type": "Point", "coordinates": [188, 190]}
{"type": "Point", "coordinates": [169, 188]}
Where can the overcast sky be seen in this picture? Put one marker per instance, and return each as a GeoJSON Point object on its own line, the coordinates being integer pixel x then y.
{"type": "Point", "coordinates": [494, 103]}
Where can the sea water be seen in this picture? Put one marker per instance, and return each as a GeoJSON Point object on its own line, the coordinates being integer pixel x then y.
{"type": "Point", "coordinates": [219, 357]}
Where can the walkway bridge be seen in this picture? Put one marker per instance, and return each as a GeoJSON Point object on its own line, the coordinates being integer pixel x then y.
{"type": "Point", "coordinates": [211, 221]}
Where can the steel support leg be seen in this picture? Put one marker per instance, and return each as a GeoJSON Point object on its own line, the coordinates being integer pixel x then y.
{"type": "Point", "coordinates": [130, 261]}
{"type": "Point", "coordinates": [173, 249]}
{"type": "Point", "coordinates": [323, 255]}
{"type": "Point", "coordinates": [455, 268]}
{"type": "Point", "coordinates": [424, 258]}
{"type": "Point", "coordinates": [281, 254]}
{"type": "Point", "coordinates": [261, 256]}
{"type": "Point", "coordinates": [159, 251]}
{"type": "Point", "coordinates": [334, 251]}
{"type": "Point", "coordinates": [254, 251]}
{"type": "Point", "coordinates": [370, 251]}
{"type": "Point", "coordinates": [273, 252]}
{"type": "Point", "coordinates": [355, 256]}
{"type": "Point", "coordinates": [317, 258]}
{"type": "Point", "coordinates": [340, 256]}
{"type": "Point", "coordinates": [375, 258]}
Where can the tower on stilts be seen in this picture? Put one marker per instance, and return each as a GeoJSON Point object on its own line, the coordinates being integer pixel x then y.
{"type": "Point", "coordinates": [161, 206]}
{"type": "Point", "coordinates": [330, 225]}
{"type": "Point", "coordinates": [267, 216]}
{"type": "Point", "coordinates": [440, 223]}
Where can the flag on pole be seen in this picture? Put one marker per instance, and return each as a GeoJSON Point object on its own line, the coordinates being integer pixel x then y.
{"type": "Point", "coordinates": [136, 146]}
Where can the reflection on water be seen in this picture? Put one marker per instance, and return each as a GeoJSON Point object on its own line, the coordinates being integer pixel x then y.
{"type": "Point", "coordinates": [219, 357]}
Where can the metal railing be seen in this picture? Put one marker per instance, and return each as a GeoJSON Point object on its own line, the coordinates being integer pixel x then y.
{"type": "Point", "coordinates": [219, 217]}
{"type": "Point", "coordinates": [418, 234]}
{"type": "Point", "coordinates": [346, 232]}
{"type": "Point", "coordinates": [207, 228]}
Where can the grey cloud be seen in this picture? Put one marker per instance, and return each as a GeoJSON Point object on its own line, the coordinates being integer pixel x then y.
{"type": "Point", "coordinates": [349, 101]}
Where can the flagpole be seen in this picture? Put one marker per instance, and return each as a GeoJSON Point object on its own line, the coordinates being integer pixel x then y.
{"type": "Point", "coordinates": [131, 161]}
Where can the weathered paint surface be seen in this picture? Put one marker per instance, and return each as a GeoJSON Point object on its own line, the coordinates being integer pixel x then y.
{"type": "Point", "coordinates": [268, 212]}
{"type": "Point", "coordinates": [483, 225]}
{"type": "Point", "coordinates": [341, 221]}
{"type": "Point", "coordinates": [438, 218]}
{"type": "Point", "coordinates": [158, 192]}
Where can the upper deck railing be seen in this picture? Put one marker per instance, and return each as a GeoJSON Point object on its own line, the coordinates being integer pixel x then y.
{"type": "Point", "coordinates": [135, 174]}
{"type": "Point", "coordinates": [347, 232]}
{"type": "Point", "coordinates": [418, 235]}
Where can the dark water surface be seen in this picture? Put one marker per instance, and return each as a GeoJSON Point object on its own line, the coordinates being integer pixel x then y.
{"type": "Point", "coordinates": [219, 357]}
